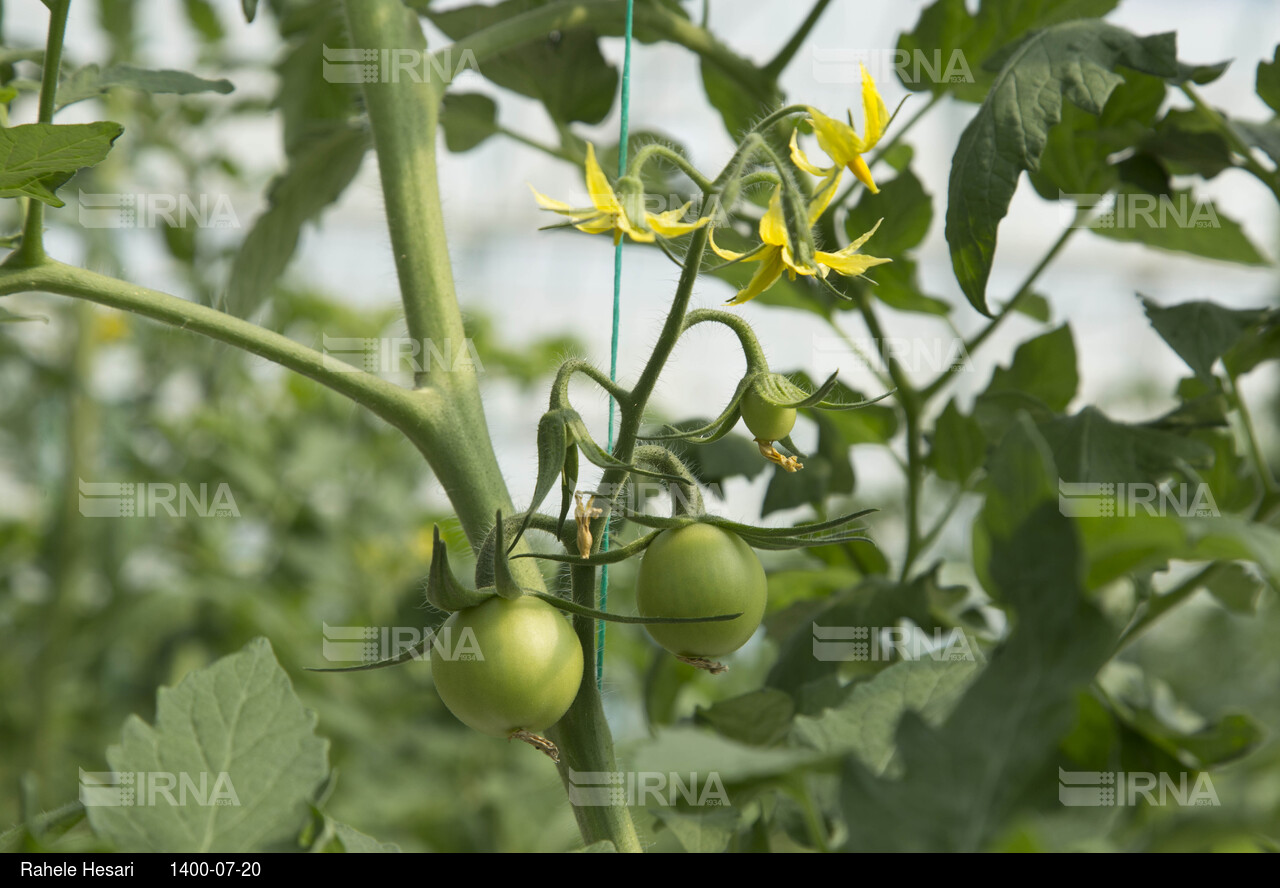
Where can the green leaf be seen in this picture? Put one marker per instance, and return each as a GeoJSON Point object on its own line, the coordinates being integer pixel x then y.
{"type": "Point", "coordinates": [1189, 141]}
{"type": "Point", "coordinates": [1258, 345]}
{"type": "Point", "coordinates": [904, 227]}
{"type": "Point", "coordinates": [1078, 155]}
{"type": "Point", "coordinates": [1090, 447]}
{"type": "Point", "coordinates": [963, 780]}
{"type": "Point", "coordinates": [250, 8]}
{"type": "Point", "coordinates": [1147, 705]}
{"type": "Point", "coordinates": [1261, 135]}
{"type": "Point", "coordinates": [91, 81]}
{"type": "Point", "coordinates": [504, 583]}
{"type": "Point", "coordinates": [707, 833]}
{"type": "Point", "coordinates": [863, 724]}
{"type": "Point", "coordinates": [740, 104]}
{"type": "Point", "coordinates": [564, 71]}
{"type": "Point", "coordinates": [759, 718]}
{"type": "Point", "coordinates": [874, 603]}
{"type": "Point", "coordinates": [237, 724]}
{"type": "Point", "coordinates": [312, 106]}
{"type": "Point", "coordinates": [443, 589]}
{"type": "Point", "coordinates": [351, 841]}
{"type": "Point", "coordinates": [1074, 60]}
{"type": "Point", "coordinates": [37, 158]}
{"type": "Point", "coordinates": [467, 120]}
{"type": "Point", "coordinates": [1200, 332]}
{"type": "Point", "coordinates": [959, 447]}
{"type": "Point", "coordinates": [1236, 588]}
{"type": "Point", "coordinates": [1267, 80]}
{"type": "Point", "coordinates": [204, 19]}
{"type": "Point", "coordinates": [947, 34]}
{"type": "Point", "coordinates": [1180, 223]}
{"type": "Point", "coordinates": [553, 444]}
{"type": "Point", "coordinates": [1044, 368]}
{"type": "Point", "coordinates": [686, 750]}
{"type": "Point", "coordinates": [8, 317]}
{"type": "Point", "coordinates": [317, 175]}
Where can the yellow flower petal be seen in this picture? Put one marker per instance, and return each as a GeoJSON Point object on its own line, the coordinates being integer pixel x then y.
{"type": "Point", "coordinates": [623, 224]}
{"type": "Point", "coordinates": [822, 197]}
{"type": "Point", "coordinates": [874, 114]}
{"type": "Point", "coordinates": [559, 206]}
{"type": "Point", "coordinates": [773, 228]}
{"type": "Point", "coordinates": [668, 224]}
{"type": "Point", "coordinates": [800, 159]}
{"type": "Point", "coordinates": [859, 168]}
{"type": "Point", "coordinates": [598, 185]}
{"type": "Point", "coordinates": [596, 225]}
{"type": "Point", "coordinates": [863, 239]}
{"type": "Point", "coordinates": [852, 264]}
{"type": "Point", "coordinates": [727, 255]}
{"type": "Point", "coordinates": [794, 268]}
{"type": "Point", "coordinates": [769, 271]}
{"type": "Point", "coordinates": [837, 139]}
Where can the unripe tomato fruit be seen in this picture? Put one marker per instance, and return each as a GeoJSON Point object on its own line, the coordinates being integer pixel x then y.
{"type": "Point", "coordinates": [764, 420]}
{"type": "Point", "coordinates": [700, 570]}
{"type": "Point", "coordinates": [529, 674]}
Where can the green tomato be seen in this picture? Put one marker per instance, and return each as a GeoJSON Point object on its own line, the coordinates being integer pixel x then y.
{"type": "Point", "coordinates": [701, 570]}
{"type": "Point", "coordinates": [524, 670]}
{"type": "Point", "coordinates": [765, 421]}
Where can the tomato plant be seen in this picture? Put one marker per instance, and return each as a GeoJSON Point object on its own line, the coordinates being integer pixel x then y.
{"type": "Point", "coordinates": [1011, 585]}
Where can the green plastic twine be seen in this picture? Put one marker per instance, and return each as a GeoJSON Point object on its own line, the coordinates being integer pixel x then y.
{"type": "Point", "coordinates": [613, 345]}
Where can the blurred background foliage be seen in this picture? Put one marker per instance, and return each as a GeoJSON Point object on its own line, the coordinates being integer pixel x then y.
{"type": "Point", "coordinates": [337, 512]}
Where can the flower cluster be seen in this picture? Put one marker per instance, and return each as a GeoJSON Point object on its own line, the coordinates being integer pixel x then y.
{"type": "Point", "coordinates": [622, 211]}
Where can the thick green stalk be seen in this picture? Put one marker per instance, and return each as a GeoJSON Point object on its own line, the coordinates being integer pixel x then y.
{"type": "Point", "coordinates": [584, 738]}
{"type": "Point", "coordinates": [404, 115]}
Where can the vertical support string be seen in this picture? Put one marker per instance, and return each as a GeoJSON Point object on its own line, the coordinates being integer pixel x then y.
{"type": "Point", "coordinates": [613, 345]}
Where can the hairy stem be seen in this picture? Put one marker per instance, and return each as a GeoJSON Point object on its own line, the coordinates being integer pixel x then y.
{"type": "Point", "coordinates": [779, 63]}
{"type": "Point", "coordinates": [31, 250]}
{"type": "Point", "coordinates": [583, 734]}
{"type": "Point", "coordinates": [404, 115]}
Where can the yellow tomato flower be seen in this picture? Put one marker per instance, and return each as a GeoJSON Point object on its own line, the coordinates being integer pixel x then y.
{"type": "Point", "coordinates": [841, 141]}
{"type": "Point", "coordinates": [607, 212]}
{"type": "Point", "coordinates": [775, 255]}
